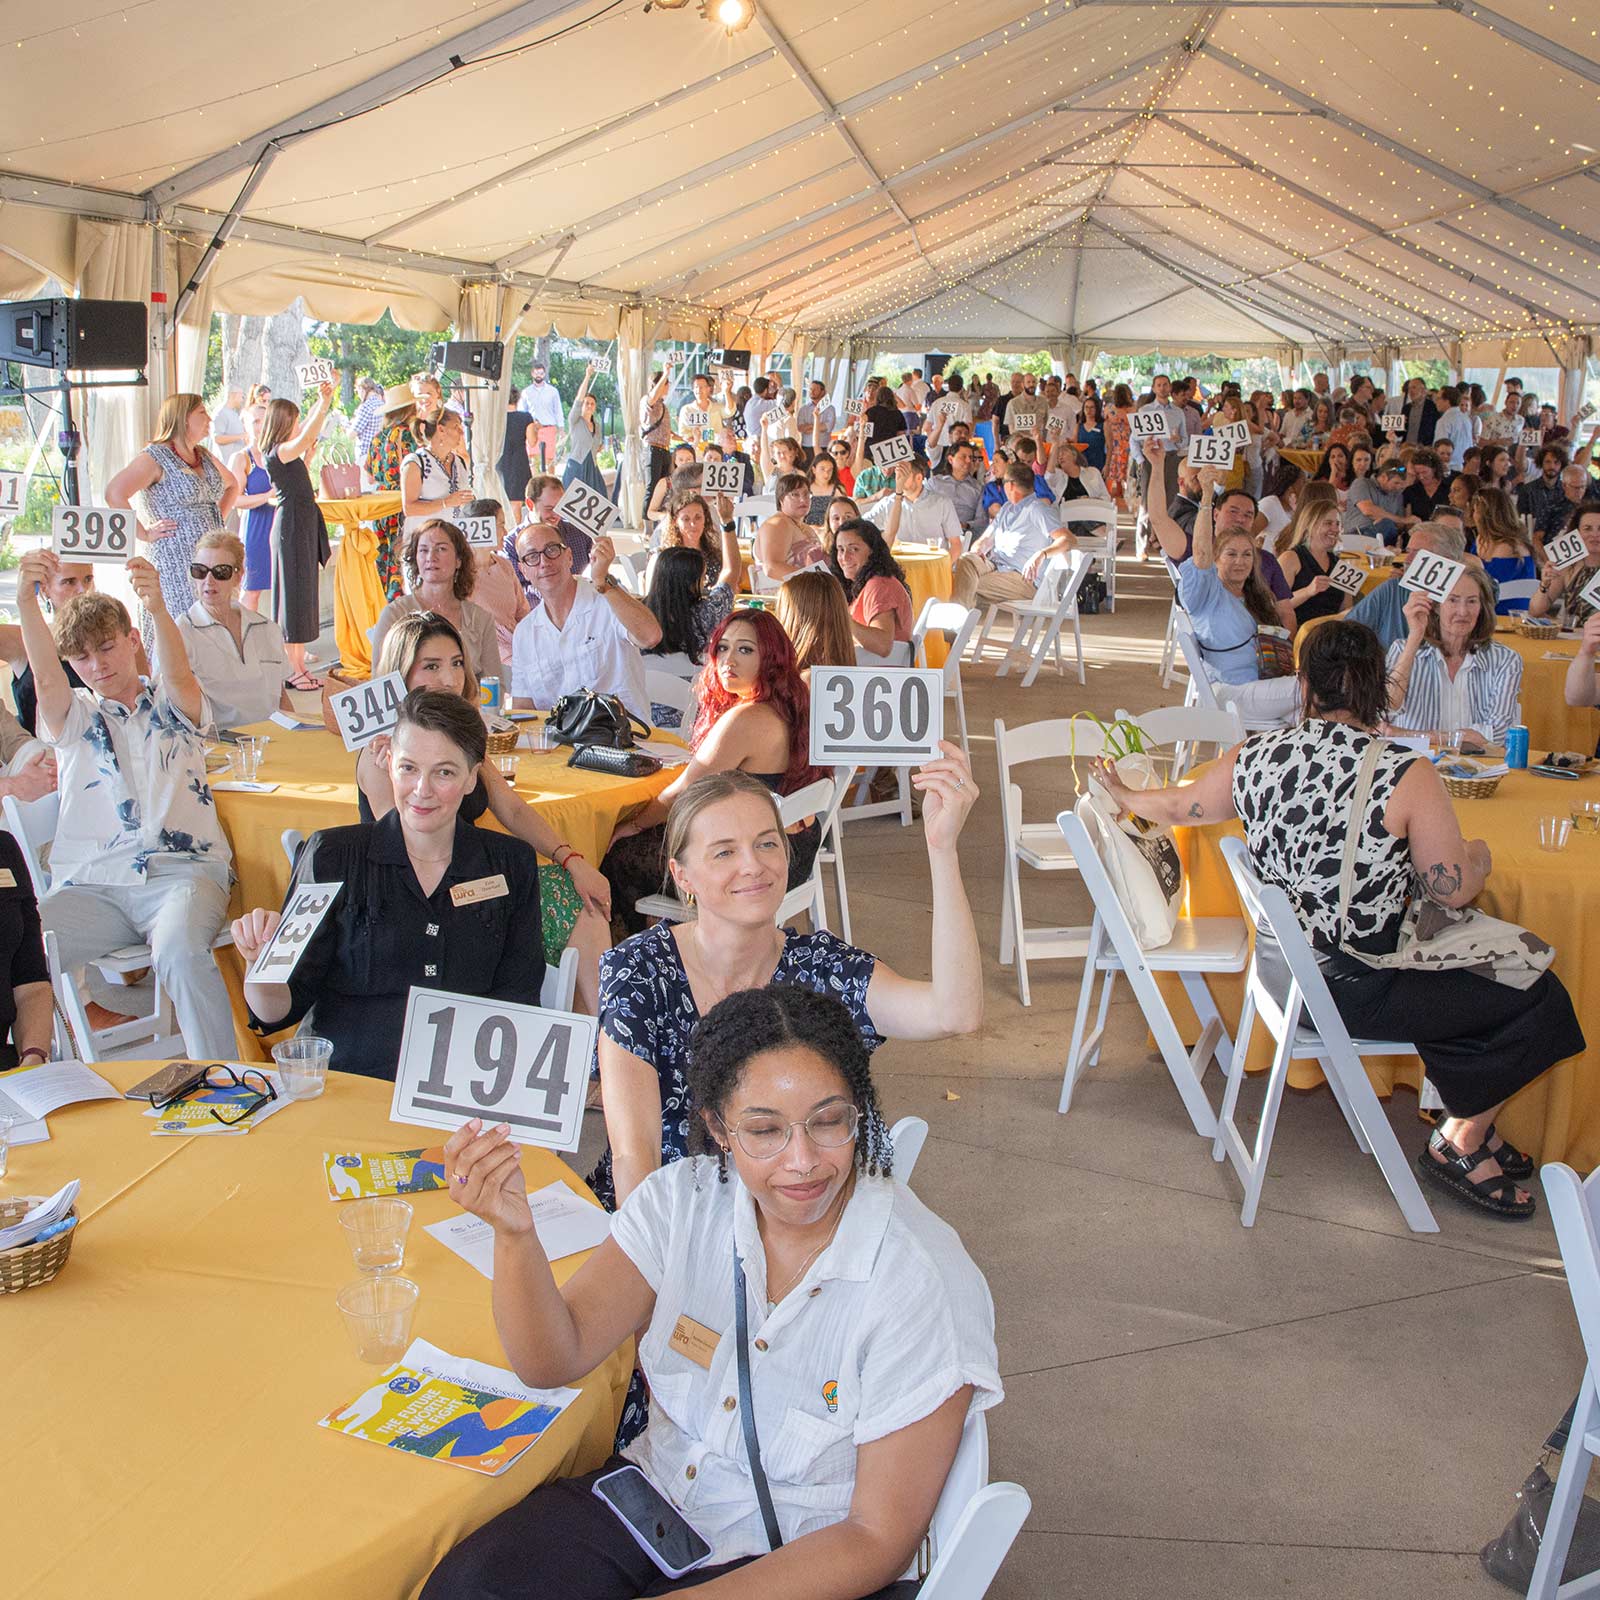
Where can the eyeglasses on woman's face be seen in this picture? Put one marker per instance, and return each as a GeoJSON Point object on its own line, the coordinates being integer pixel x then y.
{"type": "Point", "coordinates": [761, 1135]}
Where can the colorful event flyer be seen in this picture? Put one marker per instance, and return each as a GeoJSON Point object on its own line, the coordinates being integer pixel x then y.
{"type": "Point", "coordinates": [358, 1177]}
{"type": "Point", "coordinates": [430, 1403]}
{"type": "Point", "coordinates": [192, 1114]}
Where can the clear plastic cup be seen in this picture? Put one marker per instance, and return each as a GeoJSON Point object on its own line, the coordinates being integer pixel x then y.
{"type": "Point", "coordinates": [1554, 832]}
{"type": "Point", "coordinates": [302, 1064]}
{"type": "Point", "coordinates": [379, 1312]}
{"type": "Point", "coordinates": [376, 1232]}
{"type": "Point", "coordinates": [506, 766]}
{"type": "Point", "coordinates": [6, 1125]}
{"type": "Point", "coordinates": [247, 755]}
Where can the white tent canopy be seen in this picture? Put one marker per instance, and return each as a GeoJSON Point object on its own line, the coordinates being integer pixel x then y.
{"type": "Point", "coordinates": [1323, 179]}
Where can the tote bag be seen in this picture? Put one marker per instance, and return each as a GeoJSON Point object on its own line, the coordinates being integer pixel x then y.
{"type": "Point", "coordinates": [1140, 858]}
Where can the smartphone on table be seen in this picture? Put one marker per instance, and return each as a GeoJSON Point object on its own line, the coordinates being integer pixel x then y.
{"type": "Point", "coordinates": [657, 1526]}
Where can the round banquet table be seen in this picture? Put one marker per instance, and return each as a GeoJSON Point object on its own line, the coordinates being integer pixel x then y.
{"type": "Point", "coordinates": [930, 575]}
{"type": "Point", "coordinates": [1555, 894]}
{"type": "Point", "coordinates": [1307, 460]}
{"type": "Point", "coordinates": [1552, 723]}
{"type": "Point", "coordinates": [358, 597]}
{"type": "Point", "coordinates": [165, 1388]}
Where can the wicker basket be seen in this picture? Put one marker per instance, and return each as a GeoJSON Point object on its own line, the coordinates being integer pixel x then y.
{"type": "Point", "coordinates": [31, 1264]}
{"type": "Point", "coordinates": [504, 744]}
{"type": "Point", "coordinates": [1471, 788]}
{"type": "Point", "coordinates": [1536, 628]}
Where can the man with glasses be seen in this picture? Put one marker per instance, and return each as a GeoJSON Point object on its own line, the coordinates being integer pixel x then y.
{"type": "Point", "coordinates": [585, 633]}
{"type": "Point", "coordinates": [544, 493]}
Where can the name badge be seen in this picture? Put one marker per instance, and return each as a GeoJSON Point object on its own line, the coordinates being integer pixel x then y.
{"type": "Point", "coordinates": [8, 879]}
{"type": "Point", "coordinates": [469, 894]}
{"type": "Point", "coordinates": [695, 1340]}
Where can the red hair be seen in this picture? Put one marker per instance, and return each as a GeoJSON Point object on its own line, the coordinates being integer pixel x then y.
{"type": "Point", "coordinates": [778, 684]}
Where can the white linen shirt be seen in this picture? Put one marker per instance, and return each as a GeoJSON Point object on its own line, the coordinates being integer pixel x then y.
{"type": "Point", "coordinates": [242, 682]}
{"type": "Point", "coordinates": [929, 519]}
{"type": "Point", "coordinates": [542, 402]}
{"type": "Point", "coordinates": [133, 789]}
{"type": "Point", "coordinates": [591, 651]}
{"type": "Point", "coordinates": [890, 1321]}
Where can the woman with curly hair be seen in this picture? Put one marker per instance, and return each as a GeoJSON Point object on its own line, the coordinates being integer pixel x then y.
{"type": "Point", "coordinates": [862, 1392]}
{"type": "Point", "coordinates": [440, 574]}
{"type": "Point", "coordinates": [754, 717]}
{"type": "Point", "coordinates": [881, 608]}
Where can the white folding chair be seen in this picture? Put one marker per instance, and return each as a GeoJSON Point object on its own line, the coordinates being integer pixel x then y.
{"type": "Point", "coordinates": [1305, 1023]}
{"type": "Point", "coordinates": [560, 982]}
{"type": "Point", "coordinates": [960, 623]}
{"type": "Point", "coordinates": [1575, 1214]}
{"type": "Point", "coordinates": [1038, 845]}
{"type": "Point", "coordinates": [974, 1524]}
{"type": "Point", "coordinates": [291, 839]}
{"type": "Point", "coordinates": [1100, 547]}
{"type": "Point", "coordinates": [899, 655]}
{"type": "Point", "coordinates": [1172, 663]}
{"type": "Point", "coordinates": [631, 569]}
{"type": "Point", "coordinates": [1039, 621]}
{"type": "Point", "coordinates": [667, 689]}
{"type": "Point", "coordinates": [1523, 589]}
{"type": "Point", "coordinates": [1199, 945]}
{"type": "Point", "coordinates": [1186, 727]}
{"type": "Point", "coordinates": [821, 800]}
{"type": "Point", "coordinates": [756, 508]}
{"type": "Point", "coordinates": [907, 1138]}
{"type": "Point", "coordinates": [1202, 691]}
{"type": "Point", "coordinates": [152, 1035]}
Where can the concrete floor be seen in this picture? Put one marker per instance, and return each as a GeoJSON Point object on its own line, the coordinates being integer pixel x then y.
{"type": "Point", "coordinates": [1197, 1409]}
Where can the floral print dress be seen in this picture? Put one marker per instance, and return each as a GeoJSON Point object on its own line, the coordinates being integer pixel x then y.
{"type": "Point", "coordinates": [1118, 435]}
{"type": "Point", "coordinates": [391, 446]}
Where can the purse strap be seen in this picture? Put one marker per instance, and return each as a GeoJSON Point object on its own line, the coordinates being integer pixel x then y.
{"type": "Point", "coordinates": [1352, 836]}
{"type": "Point", "coordinates": [747, 1411]}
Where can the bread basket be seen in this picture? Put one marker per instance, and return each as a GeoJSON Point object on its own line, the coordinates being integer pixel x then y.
{"type": "Point", "coordinates": [1465, 786]}
{"type": "Point", "coordinates": [31, 1264]}
{"type": "Point", "coordinates": [1537, 627]}
{"type": "Point", "coordinates": [503, 742]}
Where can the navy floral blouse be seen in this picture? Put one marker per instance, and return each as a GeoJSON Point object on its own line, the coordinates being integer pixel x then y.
{"type": "Point", "coordinates": [647, 1008]}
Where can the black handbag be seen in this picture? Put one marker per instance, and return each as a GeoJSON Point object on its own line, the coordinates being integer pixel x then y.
{"type": "Point", "coordinates": [590, 718]}
{"type": "Point", "coordinates": [1510, 1558]}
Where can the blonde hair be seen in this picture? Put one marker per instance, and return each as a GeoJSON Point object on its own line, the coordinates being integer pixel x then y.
{"type": "Point", "coordinates": [1494, 514]}
{"type": "Point", "coordinates": [711, 790]}
{"type": "Point", "coordinates": [812, 611]}
{"type": "Point", "coordinates": [172, 423]}
{"type": "Point", "coordinates": [221, 539]}
{"type": "Point", "coordinates": [1310, 510]}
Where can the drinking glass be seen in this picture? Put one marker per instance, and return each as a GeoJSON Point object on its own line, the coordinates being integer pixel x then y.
{"type": "Point", "coordinates": [376, 1231]}
{"type": "Point", "coordinates": [302, 1064]}
{"type": "Point", "coordinates": [248, 753]}
{"type": "Point", "coordinates": [506, 766]}
{"type": "Point", "coordinates": [1554, 832]}
{"type": "Point", "coordinates": [379, 1312]}
{"type": "Point", "coordinates": [6, 1125]}
{"type": "Point", "coordinates": [1586, 816]}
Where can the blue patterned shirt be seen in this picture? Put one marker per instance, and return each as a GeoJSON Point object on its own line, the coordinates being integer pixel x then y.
{"type": "Point", "coordinates": [133, 789]}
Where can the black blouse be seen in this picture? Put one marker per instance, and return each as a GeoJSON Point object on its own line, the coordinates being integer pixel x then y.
{"type": "Point", "coordinates": [384, 936]}
{"type": "Point", "coordinates": [21, 939]}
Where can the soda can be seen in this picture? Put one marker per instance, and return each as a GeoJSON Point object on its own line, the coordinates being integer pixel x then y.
{"type": "Point", "coordinates": [1517, 746]}
{"type": "Point", "coordinates": [489, 693]}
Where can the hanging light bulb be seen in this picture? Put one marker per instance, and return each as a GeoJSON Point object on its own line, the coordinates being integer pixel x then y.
{"type": "Point", "coordinates": [733, 15]}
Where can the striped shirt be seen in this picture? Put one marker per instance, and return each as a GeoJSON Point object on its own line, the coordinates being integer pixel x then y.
{"type": "Point", "coordinates": [1482, 696]}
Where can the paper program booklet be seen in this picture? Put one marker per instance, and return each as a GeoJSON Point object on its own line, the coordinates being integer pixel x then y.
{"type": "Point", "coordinates": [358, 1177]}
{"type": "Point", "coordinates": [431, 1403]}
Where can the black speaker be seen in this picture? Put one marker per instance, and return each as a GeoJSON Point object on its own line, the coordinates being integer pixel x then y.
{"type": "Point", "coordinates": [731, 358]}
{"type": "Point", "coordinates": [933, 364]}
{"type": "Point", "coordinates": [81, 335]}
{"type": "Point", "coordinates": [479, 357]}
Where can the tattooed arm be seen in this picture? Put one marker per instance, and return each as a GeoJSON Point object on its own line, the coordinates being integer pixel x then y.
{"type": "Point", "coordinates": [1452, 869]}
{"type": "Point", "coordinates": [1208, 799]}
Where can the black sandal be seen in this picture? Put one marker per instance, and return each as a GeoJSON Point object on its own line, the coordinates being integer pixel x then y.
{"type": "Point", "coordinates": [1516, 1164]}
{"type": "Point", "coordinates": [1497, 1195]}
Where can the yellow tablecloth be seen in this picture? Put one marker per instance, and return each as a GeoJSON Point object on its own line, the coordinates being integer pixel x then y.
{"type": "Point", "coordinates": [164, 1389]}
{"type": "Point", "coordinates": [357, 595]}
{"type": "Point", "coordinates": [1555, 894]}
{"type": "Point", "coordinates": [1552, 723]}
{"type": "Point", "coordinates": [930, 575]}
{"type": "Point", "coordinates": [1307, 460]}
{"type": "Point", "coordinates": [316, 782]}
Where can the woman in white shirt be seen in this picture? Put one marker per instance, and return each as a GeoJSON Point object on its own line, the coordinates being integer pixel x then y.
{"type": "Point", "coordinates": [238, 655]}
{"type": "Point", "coordinates": [437, 479]}
{"type": "Point", "coordinates": [440, 574]}
{"type": "Point", "coordinates": [870, 1331]}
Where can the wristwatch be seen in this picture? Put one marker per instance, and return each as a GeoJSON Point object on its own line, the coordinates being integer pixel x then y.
{"type": "Point", "coordinates": [609, 582]}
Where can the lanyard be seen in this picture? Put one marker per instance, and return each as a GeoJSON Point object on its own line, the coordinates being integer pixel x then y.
{"type": "Point", "coordinates": [747, 1411]}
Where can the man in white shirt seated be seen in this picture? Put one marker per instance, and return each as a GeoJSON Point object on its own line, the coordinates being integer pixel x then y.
{"type": "Point", "coordinates": [915, 516]}
{"type": "Point", "coordinates": [585, 633]}
{"type": "Point", "coordinates": [138, 855]}
{"type": "Point", "coordinates": [1006, 562]}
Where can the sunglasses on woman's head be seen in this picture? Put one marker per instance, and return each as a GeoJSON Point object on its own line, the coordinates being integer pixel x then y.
{"type": "Point", "coordinates": [222, 572]}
